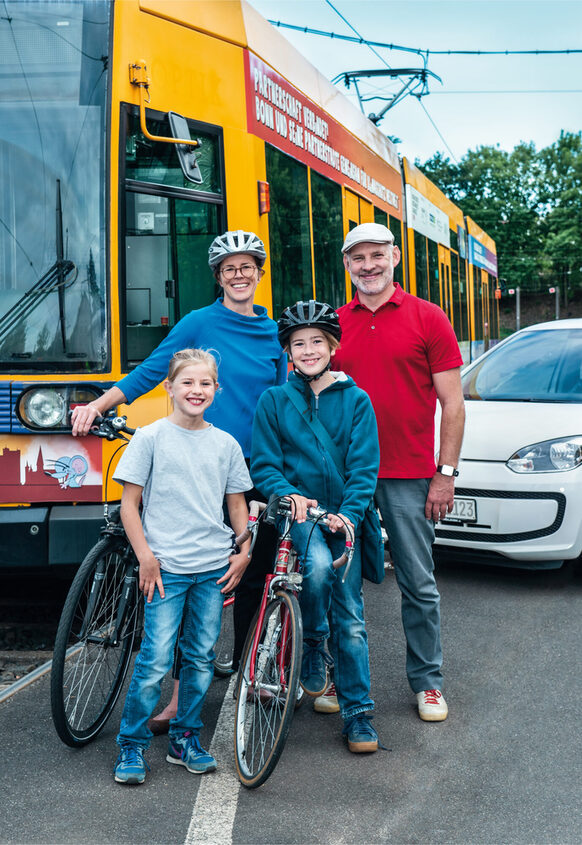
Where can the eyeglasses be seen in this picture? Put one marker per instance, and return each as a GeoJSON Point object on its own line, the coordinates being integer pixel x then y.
{"type": "Point", "coordinates": [247, 270]}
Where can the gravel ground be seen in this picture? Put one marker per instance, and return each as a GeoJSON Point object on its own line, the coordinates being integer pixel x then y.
{"type": "Point", "coordinates": [15, 664]}
{"type": "Point", "coordinates": [30, 608]}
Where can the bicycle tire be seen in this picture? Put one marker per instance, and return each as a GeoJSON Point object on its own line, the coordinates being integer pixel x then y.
{"type": "Point", "coordinates": [88, 670]}
{"type": "Point", "coordinates": [263, 713]}
{"type": "Point", "coordinates": [225, 643]}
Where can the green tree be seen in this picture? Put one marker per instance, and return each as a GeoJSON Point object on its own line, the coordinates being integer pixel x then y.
{"type": "Point", "coordinates": [530, 203]}
{"type": "Point", "coordinates": [562, 222]}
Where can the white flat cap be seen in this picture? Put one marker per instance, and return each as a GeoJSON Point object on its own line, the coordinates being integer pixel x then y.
{"type": "Point", "coordinates": [374, 233]}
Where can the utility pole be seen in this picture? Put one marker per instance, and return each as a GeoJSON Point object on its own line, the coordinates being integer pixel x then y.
{"type": "Point", "coordinates": [556, 291]}
{"type": "Point", "coordinates": [515, 292]}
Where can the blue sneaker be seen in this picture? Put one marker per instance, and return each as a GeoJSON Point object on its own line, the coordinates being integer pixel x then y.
{"type": "Point", "coordinates": [314, 675]}
{"type": "Point", "coordinates": [130, 766]}
{"type": "Point", "coordinates": [361, 735]}
{"type": "Point", "coordinates": [186, 751]}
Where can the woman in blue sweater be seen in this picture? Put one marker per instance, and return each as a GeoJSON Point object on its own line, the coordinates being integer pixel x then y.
{"type": "Point", "coordinates": [289, 460]}
{"type": "Point", "coordinates": [250, 360]}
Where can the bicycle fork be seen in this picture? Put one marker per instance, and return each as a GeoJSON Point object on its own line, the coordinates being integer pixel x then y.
{"type": "Point", "coordinates": [287, 579]}
{"type": "Point", "coordinates": [109, 636]}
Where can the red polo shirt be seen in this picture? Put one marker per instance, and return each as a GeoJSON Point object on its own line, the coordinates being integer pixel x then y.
{"type": "Point", "coordinates": [392, 353]}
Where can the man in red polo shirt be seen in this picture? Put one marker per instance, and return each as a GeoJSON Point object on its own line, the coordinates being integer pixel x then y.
{"type": "Point", "coordinates": [403, 352]}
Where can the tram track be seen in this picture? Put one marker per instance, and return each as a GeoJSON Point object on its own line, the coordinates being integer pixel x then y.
{"type": "Point", "coordinates": [30, 608]}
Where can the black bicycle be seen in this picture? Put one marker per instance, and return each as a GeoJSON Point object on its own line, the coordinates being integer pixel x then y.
{"type": "Point", "coordinates": [100, 624]}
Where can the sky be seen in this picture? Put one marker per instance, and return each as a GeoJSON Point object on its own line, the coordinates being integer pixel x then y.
{"type": "Point", "coordinates": [483, 100]}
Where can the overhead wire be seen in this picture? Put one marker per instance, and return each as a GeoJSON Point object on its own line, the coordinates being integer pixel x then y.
{"type": "Point", "coordinates": [360, 40]}
{"type": "Point", "coordinates": [437, 130]}
{"type": "Point", "coordinates": [368, 44]}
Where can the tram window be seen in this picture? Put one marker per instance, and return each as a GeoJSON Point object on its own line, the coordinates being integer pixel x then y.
{"type": "Point", "coordinates": [289, 236]}
{"type": "Point", "coordinates": [196, 226]}
{"type": "Point", "coordinates": [434, 293]}
{"type": "Point", "coordinates": [395, 227]}
{"type": "Point", "coordinates": [157, 162]}
{"type": "Point", "coordinates": [326, 209]}
{"type": "Point", "coordinates": [457, 321]}
{"type": "Point", "coordinates": [166, 266]}
{"type": "Point", "coordinates": [421, 266]}
{"type": "Point", "coordinates": [477, 295]}
{"type": "Point", "coordinates": [464, 298]}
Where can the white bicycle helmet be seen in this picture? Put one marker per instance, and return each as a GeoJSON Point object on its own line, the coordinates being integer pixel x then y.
{"type": "Point", "coordinates": [233, 243]}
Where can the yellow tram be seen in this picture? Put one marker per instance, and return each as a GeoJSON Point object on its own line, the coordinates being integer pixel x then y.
{"type": "Point", "coordinates": [131, 133]}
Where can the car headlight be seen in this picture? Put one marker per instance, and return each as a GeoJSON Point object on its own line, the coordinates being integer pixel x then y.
{"type": "Point", "coordinates": [549, 456]}
{"type": "Point", "coordinates": [47, 407]}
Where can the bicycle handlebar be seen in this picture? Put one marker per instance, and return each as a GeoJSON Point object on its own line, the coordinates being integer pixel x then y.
{"type": "Point", "coordinates": [111, 428]}
{"type": "Point", "coordinates": [314, 515]}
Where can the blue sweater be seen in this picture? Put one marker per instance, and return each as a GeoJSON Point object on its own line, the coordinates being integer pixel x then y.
{"type": "Point", "coordinates": [250, 360]}
{"type": "Point", "coordinates": [287, 457]}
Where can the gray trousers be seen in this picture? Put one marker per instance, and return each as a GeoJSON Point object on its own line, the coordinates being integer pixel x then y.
{"type": "Point", "coordinates": [401, 502]}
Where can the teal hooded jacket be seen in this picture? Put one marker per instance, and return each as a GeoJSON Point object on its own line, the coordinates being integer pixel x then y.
{"type": "Point", "coordinates": [286, 457]}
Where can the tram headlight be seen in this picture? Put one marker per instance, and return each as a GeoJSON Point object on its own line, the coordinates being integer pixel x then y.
{"type": "Point", "coordinates": [47, 407]}
{"type": "Point", "coordinates": [44, 408]}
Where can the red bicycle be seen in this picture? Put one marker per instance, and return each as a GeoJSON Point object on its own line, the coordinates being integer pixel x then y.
{"type": "Point", "coordinates": [267, 689]}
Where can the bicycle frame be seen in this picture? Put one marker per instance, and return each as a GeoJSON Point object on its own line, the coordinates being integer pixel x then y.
{"type": "Point", "coordinates": [285, 579]}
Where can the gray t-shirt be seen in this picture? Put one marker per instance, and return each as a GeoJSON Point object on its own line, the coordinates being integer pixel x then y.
{"type": "Point", "coordinates": [185, 475]}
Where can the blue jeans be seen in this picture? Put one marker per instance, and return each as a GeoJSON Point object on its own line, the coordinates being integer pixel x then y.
{"type": "Point", "coordinates": [198, 599]}
{"type": "Point", "coordinates": [401, 502]}
{"type": "Point", "coordinates": [323, 593]}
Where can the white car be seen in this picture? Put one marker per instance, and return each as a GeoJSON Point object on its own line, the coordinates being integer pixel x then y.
{"type": "Point", "coordinates": [518, 496]}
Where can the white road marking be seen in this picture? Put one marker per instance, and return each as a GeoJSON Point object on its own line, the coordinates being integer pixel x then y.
{"type": "Point", "coordinates": [215, 808]}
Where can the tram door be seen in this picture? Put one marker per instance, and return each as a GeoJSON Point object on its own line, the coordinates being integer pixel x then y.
{"type": "Point", "coordinates": [356, 210]}
{"type": "Point", "coordinates": [445, 282]}
{"type": "Point", "coordinates": [166, 265]}
{"type": "Point", "coordinates": [485, 309]}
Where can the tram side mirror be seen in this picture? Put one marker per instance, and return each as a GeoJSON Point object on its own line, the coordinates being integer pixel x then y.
{"type": "Point", "coordinates": [186, 154]}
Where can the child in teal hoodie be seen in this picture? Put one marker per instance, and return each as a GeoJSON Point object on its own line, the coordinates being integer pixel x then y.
{"type": "Point", "coordinates": [288, 460]}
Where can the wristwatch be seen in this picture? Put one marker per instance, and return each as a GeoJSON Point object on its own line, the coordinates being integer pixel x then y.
{"type": "Point", "coordinates": [444, 469]}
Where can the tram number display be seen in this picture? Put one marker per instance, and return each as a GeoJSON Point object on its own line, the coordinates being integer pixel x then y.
{"type": "Point", "coordinates": [464, 510]}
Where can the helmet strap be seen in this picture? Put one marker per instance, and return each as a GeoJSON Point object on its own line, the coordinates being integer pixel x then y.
{"type": "Point", "coordinates": [309, 379]}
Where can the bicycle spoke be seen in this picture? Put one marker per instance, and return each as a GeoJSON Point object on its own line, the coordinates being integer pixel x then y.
{"type": "Point", "coordinates": [91, 655]}
{"type": "Point", "coordinates": [266, 703]}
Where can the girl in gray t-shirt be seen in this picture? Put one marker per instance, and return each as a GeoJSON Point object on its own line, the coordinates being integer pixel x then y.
{"type": "Point", "coordinates": [180, 469]}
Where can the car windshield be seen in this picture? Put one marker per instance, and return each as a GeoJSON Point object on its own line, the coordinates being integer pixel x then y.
{"type": "Point", "coordinates": [533, 366]}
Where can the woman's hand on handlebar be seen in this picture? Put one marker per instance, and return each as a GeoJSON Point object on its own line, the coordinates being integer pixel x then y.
{"type": "Point", "coordinates": [82, 419]}
{"type": "Point", "coordinates": [301, 503]}
{"type": "Point", "coordinates": [339, 522]}
{"type": "Point", "coordinates": [84, 416]}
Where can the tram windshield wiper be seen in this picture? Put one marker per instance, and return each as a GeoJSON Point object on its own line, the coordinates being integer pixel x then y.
{"type": "Point", "coordinates": [60, 276]}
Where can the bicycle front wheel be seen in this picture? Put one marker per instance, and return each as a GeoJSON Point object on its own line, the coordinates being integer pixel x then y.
{"type": "Point", "coordinates": [100, 621]}
{"type": "Point", "coordinates": [265, 706]}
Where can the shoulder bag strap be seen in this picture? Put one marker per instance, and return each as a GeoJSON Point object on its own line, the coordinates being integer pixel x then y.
{"type": "Point", "coordinates": [317, 428]}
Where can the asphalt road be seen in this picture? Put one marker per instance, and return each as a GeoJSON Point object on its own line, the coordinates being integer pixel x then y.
{"type": "Point", "coordinates": [504, 768]}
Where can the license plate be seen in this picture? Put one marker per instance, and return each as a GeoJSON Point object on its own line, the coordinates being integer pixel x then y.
{"type": "Point", "coordinates": [464, 510]}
